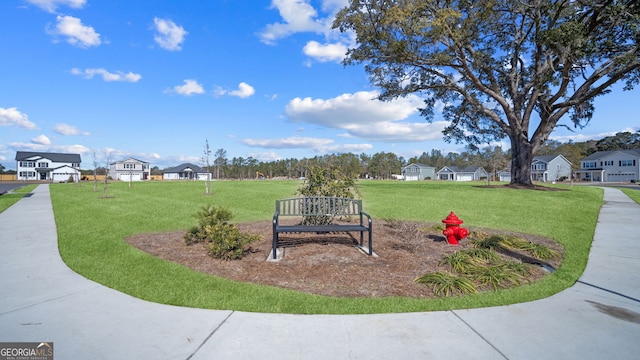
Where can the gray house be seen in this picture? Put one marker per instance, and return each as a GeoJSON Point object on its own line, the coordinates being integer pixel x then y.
{"type": "Point", "coordinates": [544, 168]}
{"type": "Point", "coordinates": [130, 169]}
{"type": "Point", "coordinates": [610, 166]}
{"type": "Point", "coordinates": [454, 173]}
{"type": "Point", "coordinates": [55, 167]}
{"type": "Point", "coordinates": [550, 168]}
{"type": "Point", "coordinates": [418, 172]}
{"type": "Point", "coordinates": [186, 171]}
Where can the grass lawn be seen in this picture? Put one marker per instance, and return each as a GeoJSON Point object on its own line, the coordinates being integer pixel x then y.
{"type": "Point", "coordinates": [7, 200]}
{"type": "Point", "coordinates": [91, 231]}
{"type": "Point", "coordinates": [634, 194]}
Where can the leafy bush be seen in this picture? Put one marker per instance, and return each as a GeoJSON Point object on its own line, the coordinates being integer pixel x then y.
{"type": "Point", "coordinates": [328, 182]}
{"type": "Point", "coordinates": [322, 181]}
{"type": "Point", "coordinates": [227, 242]}
{"type": "Point", "coordinates": [221, 239]}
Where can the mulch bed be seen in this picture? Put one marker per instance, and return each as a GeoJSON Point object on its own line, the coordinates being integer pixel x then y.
{"type": "Point", "coordinates": [330, 264]}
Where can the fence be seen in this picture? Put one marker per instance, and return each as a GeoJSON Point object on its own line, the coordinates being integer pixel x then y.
{"type": "Point", "coordinates": [13, 177]}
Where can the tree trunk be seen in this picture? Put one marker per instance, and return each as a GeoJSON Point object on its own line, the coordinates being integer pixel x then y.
{"type": "Point", "coordinates": [521, 158]}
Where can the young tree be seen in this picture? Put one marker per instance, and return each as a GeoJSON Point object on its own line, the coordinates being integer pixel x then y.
{"type": "Point", "coordinates": [221, 160]}
{"type": "Point", "coordinates": [106, 176]}
{"type": "Point", "coordinates": [205, 160]}
{"type": "Point", "coordinates": [502, 68]}
{"type": "Point", "coordinates": [95, 172]}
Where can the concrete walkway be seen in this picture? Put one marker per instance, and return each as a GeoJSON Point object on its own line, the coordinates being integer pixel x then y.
{"type": "Point", "coordinates": [42, 300]}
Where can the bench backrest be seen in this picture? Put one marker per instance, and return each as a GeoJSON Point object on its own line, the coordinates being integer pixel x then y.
{"type": "Point", "coordinates": [318, 206]}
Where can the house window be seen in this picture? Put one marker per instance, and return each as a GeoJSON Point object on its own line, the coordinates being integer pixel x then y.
{"type": "Point", "coordinates": [27, 174]}
{"type": "Point", "coordinates": [588, 165]}
{"type": "Point", "coordinates": [129, 166]}
{"type": "Point", "coordinates": [75, 165]}
{"type": "Point", "coordinates": [27, 164]}
{"type": "Point", "coordinates": [608, 163]}
{"type": "Point", "coordinates": [43, 165]}
{"type": "Point", "coordinates": [627, 162]}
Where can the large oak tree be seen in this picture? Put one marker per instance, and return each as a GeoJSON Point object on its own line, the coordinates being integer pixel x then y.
{"type": "Point", "coordinates": [503, 68]}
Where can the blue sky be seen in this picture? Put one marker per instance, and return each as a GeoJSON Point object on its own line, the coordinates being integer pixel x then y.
{"type": "Point", "coordinates": [258, 78]}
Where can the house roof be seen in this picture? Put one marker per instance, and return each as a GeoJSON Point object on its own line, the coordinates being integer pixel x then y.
{"type": "Point", "coordinates": [545, 158]}
{"type": "Point", "coordinates": [129, 159]}
{"type": "Point", "coordinates": [602, 154]}
{"type": "Point", "coordinates": [55, 157]}
{"type": "Point", "coordinates": [468, 169]}
{"type": "Point", "coordinates": [183, 167]}
{"type": "Point", "coordinates": [418, 165]}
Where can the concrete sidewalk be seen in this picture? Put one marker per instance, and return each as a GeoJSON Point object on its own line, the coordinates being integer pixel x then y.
{"type": "Point", "coordinates": [41, 299]}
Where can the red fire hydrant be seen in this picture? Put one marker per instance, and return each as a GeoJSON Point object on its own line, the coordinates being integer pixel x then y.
{"type": "Point", "coordinates": [453, 231]}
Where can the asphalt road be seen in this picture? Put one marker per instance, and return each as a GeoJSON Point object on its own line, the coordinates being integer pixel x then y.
{"type": "Point", "coordinates": [8, 186]}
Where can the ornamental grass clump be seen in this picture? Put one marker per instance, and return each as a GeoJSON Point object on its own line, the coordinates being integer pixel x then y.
{"type": "Point", "coordinates": [222, 239]}
{"type": "Point", "coordinates": [482, 268]}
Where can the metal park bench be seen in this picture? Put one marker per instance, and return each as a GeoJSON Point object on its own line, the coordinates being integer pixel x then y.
{"type": "Point", "coordinates": [317, 214]}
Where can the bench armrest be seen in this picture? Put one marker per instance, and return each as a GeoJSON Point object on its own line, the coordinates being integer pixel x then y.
{"type": "Point", "coordinates": [362, 213]}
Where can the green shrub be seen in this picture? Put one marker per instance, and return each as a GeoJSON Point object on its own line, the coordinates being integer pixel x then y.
{"type": "Point", "coordinates": [227, 242]}
{"type": "Point", "coordinates": [322, 181]}
{"type": "Point", "coordinates": [222, 239]}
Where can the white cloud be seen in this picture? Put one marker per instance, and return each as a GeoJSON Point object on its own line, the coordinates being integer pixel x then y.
{"type": "Point", "coordinates": [297, 16]}
{"type": "Point", "coordinates": [66, 129]}
{"type": "Point", "coordinates": [575, 137]}
{"type": "Point", "coordinates": [52, 5]}
{"type": "Point", "coordinates": [77, 33]}
{"type": "Point", "coordinates": [12, 117]}
{"type": "Point", "coordinates": [76, 149]}
{"type": "Point", "coordinates": [319, 145]}
{"type": "Point", "coordinates": [360, 115]}
{"type": "Point", "coordinates": [244, 90]}
{"type": "Point", "coordinates": [189, 88]}
{"type": "Point", "coordinates": [294, 142]}
{"type": "Point", "coordinates": [323, 53]}
{"type": "Point", "coordinates": [169, 35]}
{"type": "Point", "coordinates": [106, 75]}
{"type": "Point", "coordinates": [41, 140]}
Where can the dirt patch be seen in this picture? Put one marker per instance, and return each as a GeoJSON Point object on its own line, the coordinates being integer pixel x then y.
{"type": "Point", "coordinates": [330, 264]}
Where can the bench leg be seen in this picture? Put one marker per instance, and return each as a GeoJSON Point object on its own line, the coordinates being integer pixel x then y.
{"type": "Point", "coordinates": [274, 245]}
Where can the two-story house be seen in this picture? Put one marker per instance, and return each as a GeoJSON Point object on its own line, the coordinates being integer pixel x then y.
{"type": "Point", "coordinates": [130, 169]}
{"type": "Point", "coordinates": [54, 167]}
{"type": "Point", "coordinates": [550, 168]}
{"type": "Point", "coordinates": [610, 166]}
{"type": "Point", "coordinates": [545, 169]}
{"type": "Point", "coordinates": [418, 172]}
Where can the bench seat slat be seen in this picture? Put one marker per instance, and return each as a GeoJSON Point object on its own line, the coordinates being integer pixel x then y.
{"type": "Point", "coordinates": [320, 228]}
{"type": "Point", "coordinates": [319, 206]}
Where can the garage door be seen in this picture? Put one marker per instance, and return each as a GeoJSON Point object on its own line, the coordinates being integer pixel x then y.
{"type": "Point", "coordinates": [465, 177]}
{"type": "Point", "coordinates": [130, 177]}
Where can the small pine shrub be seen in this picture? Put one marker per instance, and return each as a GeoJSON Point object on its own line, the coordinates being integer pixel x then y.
{"type": "Point", "coordinates": [222, 239]}
{"type": "Point", "coordinates": [227, 242]}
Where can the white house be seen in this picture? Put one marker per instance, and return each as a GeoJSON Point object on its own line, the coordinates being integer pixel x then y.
{"type": "Point", "coordinates": [186, 172]}
{"type": "Point", "coordinates": [55, 167]}
{"type": "Point", "coordinates": [610, 166]}
{"type": "Point", "coordinates": [418, 172]}
{"type": "Point", "coordinates": [454, 173]}
{"type": "Point", "coordinates": [130, 169]}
